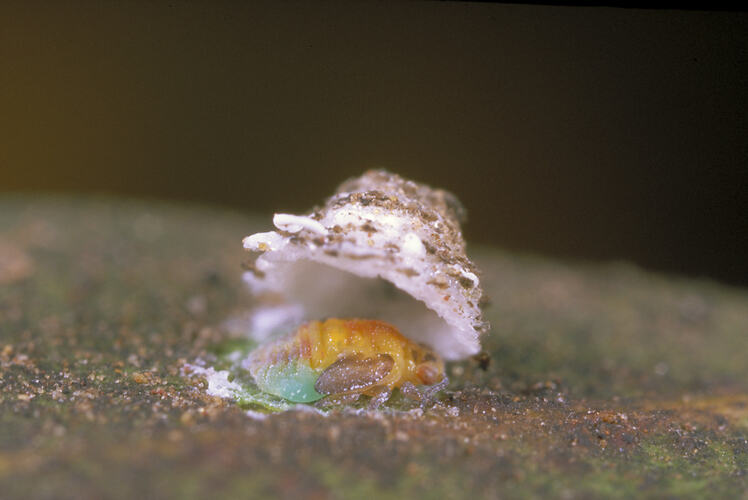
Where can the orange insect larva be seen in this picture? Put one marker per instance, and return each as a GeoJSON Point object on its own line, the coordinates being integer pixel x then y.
{"type": "Point", "coordinates": [344, 359]}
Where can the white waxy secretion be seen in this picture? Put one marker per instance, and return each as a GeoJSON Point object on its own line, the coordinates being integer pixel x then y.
{"type": "Point", "coordinates": [295, 223]}
{"type": "Point", "coordinates": [378, 230]}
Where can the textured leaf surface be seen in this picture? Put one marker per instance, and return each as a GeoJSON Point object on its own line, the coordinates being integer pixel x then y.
{"type": "Point", "coordinates": [603, 380]}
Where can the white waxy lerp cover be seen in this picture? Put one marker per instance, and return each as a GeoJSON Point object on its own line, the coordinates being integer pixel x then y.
{"type": "Point", "coordinates": [377, 226]}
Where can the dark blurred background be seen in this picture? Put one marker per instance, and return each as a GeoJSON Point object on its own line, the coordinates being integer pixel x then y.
{"type": "Point", "coordinates": [592, 133]}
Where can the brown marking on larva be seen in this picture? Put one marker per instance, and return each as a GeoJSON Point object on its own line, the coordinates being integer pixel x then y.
{"type": "Point", "coordinates": [354, 373]}
{"type": "Point", "coordinates": [337, 229]}
{"type": "Point", "coordinates": [428, 374]}
{"type": "Point", "coordinates": [331, 253]}
{"type": "Point", "coordinates": [429, 356]}
{"type": "Point", "coordinates": [368, 227]}
{"type": "Point", "coordinates": [408, 272]}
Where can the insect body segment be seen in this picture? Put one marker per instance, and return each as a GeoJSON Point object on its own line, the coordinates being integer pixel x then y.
{"type": "Point", "coordinates": [354, 373]}
{"type": "Point", "coordinates": [343, 359]}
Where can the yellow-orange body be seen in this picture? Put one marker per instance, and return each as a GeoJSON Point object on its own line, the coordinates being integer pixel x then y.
{"type": "Point", "coordinates": [315, 346]}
